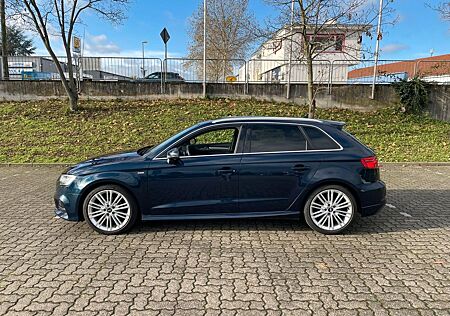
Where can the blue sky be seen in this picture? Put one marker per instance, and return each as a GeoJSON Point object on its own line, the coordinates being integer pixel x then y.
{"type": "Point", "coordinates": [418, 30]}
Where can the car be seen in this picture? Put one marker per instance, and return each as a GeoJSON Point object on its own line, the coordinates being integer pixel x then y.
{"type": "Point", "coordinates": [170, 77]}
{"type": "Point", "coordinates": [235, 167]}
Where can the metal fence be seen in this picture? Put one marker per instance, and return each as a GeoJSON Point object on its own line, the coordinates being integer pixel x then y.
{"type": "Point", "coordinates": [325, 72]}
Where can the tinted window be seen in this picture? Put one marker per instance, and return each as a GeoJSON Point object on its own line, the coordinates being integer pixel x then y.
{"type": "Point", "coordinates": [270, 138]}
{"type": "Point", "coordinates": [213, 142]}
{"type": "Point", "coordinates": [319, 140]}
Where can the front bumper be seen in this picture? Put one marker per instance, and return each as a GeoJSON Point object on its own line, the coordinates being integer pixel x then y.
{"type": "Point", "coordinates": [66, 201]}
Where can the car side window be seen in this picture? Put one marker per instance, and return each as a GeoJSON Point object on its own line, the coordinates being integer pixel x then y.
{"type": "Point", "coordinates": [275, 137]}
{"type": "Point", "coordinates": [318, 139]}
{"type": "Point", "coordinates": [213, 142]}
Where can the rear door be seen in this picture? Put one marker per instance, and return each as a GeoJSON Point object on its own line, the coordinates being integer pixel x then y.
{"type": "Point", "coordinates": [275, 168]}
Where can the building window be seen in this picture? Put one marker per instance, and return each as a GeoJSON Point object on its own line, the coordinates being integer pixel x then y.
{"type": "Point", "coordinates": [328, 42]}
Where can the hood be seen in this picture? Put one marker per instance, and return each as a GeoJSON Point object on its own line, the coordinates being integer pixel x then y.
{"type": "Point", "coordinates": [101, 162]}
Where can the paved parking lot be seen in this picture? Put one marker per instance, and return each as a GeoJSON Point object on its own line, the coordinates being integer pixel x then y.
{"type": "Point", "coordinates": [396, 263]}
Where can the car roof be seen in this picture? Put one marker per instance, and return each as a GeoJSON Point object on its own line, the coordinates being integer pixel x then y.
{"type": "Point", "coordinates": [272, 119]}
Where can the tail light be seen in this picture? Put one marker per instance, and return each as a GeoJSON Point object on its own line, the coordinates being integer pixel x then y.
{"type": "Point", "coordinates": [370, 162]}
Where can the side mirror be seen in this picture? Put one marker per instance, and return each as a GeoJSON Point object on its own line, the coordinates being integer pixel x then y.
{"type": "Point", "coordinates": [173, 155]}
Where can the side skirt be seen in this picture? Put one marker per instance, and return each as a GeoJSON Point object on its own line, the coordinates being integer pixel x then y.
{"type": "Point", "coordinates": [219, 216]}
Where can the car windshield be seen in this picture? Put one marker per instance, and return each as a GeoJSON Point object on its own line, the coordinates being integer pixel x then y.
{"type": "Point", "coordinates": [153, 150]}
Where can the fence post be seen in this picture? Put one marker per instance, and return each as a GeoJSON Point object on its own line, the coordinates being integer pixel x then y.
{"type": "Point", "coordinates": [245, 78]}
{"type": "Point", "coordinates": [330, 78]}
{"type": "Point", "coordinates": [163, 86]}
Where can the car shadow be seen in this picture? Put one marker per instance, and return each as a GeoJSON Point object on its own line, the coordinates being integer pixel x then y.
{"type": "Point", "coordinates": [406, 210]}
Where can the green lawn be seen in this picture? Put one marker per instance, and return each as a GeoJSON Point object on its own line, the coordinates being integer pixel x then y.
{"type": "Point", "coordinates": [43, 131]}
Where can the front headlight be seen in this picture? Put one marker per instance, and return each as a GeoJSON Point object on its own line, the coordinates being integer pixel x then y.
{"type": "Point", "coordinates": [66, 179]}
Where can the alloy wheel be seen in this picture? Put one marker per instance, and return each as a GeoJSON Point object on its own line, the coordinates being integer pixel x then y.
{"type": "Point", "coordinates": [331, 210]}
{"type": "Point", "coordinates": [109, 210]}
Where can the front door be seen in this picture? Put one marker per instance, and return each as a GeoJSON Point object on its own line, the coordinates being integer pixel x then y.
{"type": "Point", "coordinates": [203, 182]}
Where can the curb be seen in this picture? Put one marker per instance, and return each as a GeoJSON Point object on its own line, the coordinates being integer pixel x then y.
{"type": "Point", "coordinates": [35, 164]}
{"type": "Point", "coordinates": [68, 164]}
{"type": "Point", "coordinates": [419, 163]}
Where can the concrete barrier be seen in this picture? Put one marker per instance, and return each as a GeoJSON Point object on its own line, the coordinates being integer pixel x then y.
{"type": "Point", "coordinates": [354, 96]}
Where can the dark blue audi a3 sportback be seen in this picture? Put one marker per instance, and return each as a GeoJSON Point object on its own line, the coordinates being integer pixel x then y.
{"type": "Point", "coordinates": [236, 167]}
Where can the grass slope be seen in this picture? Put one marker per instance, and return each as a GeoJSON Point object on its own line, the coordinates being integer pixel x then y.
{"type": "Point", "coordinates": [43, 131]}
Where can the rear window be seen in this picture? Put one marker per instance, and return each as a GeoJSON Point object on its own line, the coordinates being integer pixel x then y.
{"type": "Point", "coordinates": [271, 138]}
{"type": "Point", "coordinates": [318, 139]}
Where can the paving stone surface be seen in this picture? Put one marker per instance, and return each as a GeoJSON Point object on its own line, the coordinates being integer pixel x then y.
{"type": "Point", "coordinates": [394, 263]}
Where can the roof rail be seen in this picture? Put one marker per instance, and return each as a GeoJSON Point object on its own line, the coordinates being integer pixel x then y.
{"type": "Point", "coordinates": [263, 118]}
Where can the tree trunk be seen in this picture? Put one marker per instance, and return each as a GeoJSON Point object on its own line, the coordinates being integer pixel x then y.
{"type": "Point", "coordinates": [311, 95]}
{"type": "Point", "coordinates": [73, 100]}
{"type": "Point", "coordinates": [72, 92]}
{"type": "Point", "coordinates": [5, 70]}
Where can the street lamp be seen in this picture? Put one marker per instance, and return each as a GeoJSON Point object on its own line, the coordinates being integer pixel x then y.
{"type": "Point", "coordinates": [377, 49]}
{"type": "Point", "coordinates": [143, 58]}
{"type": "Point", "coordinates": [204, 47]}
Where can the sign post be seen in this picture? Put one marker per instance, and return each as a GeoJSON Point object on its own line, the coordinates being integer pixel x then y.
{"type": "Point", "coordinates": [165, 37]}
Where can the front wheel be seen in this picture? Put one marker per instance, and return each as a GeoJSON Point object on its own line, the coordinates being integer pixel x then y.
{"type": "Point", "coordinates": [330, 209]}
{"type": "Point", "coordinates": [110, 210]}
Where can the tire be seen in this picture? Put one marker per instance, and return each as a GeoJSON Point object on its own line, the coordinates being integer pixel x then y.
{"type": "Point", "coordinates": [330, 218]}
{"type": "Point", "coordinates": [110, 210]}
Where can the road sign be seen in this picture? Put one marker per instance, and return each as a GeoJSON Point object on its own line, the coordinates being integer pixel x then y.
{"type": "Point", "coordinates": [76, 45]}
{"type": "Point", "coordinates": [231, 79]}
{"type": "Point", "coordinates": [165, 35]}
{"type": "Point", "coordinates": [20, 64]}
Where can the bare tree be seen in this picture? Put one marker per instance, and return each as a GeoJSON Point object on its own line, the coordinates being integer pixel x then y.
{"type": "Point", "coordinates": [229, 36]}
{"type": "Point", "coordinates": [443, 8]}
{"type": "Point", "coordinates": [314, 28]}
{"type": "Point", "coordinates": [5, 70]}
{"type": "Point", "coordinates": [59, 18]}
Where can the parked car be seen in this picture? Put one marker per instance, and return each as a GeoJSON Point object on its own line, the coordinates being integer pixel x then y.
{"type": "Point", "coordinates": [170, 77]}
{"type": "Point", "coordinates": [241, 167]}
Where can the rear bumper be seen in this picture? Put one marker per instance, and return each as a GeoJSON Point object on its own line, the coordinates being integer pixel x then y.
{"type": "Point", "coordinates": [372, 209]}
{"type": "Point", "coordinates": [372, 198]}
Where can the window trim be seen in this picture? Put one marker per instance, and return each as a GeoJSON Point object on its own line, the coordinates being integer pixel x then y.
{"type": "Point", "coordinates": [299, 125]}
{"type": "Point", "coordinates": [238, 126]}
{"type": "Point", "coordinates": [241, 126]}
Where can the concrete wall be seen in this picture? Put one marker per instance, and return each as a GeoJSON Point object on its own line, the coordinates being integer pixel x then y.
{"type": "Point", "coordinates": [439, 102]}
{"type": "Point", "coordinates": [355, 96]}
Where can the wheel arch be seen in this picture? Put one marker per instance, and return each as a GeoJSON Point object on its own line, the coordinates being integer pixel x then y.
{"type": "Point", "coordinates": [95, 185]}
{"type": "Point", "coordinates": [340, 182]}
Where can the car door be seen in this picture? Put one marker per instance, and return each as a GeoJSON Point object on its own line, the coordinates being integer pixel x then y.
{"type": "Point", "coordinates": [275, 168]}
{"type": "Point", "coordinates": [204, 181]}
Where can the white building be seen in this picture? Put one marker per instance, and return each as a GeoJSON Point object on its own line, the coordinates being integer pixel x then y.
{"type": "Point", "coordinates": [339, 45]}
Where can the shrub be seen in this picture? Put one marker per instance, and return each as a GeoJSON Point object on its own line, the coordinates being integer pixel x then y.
{"type": "Point", "coordinates": [413, 94]}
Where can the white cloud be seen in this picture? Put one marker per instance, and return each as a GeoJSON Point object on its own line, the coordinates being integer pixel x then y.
{"type": "Point", "coordinates": [395, 47]}
{"type": "Point", "coordinates": [99, 44]}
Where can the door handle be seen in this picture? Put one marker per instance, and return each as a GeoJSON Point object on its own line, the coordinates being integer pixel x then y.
{"type": "Point", "coordinates": [226, 170]}
{"type": "Point", "coordinates": [300, 168]}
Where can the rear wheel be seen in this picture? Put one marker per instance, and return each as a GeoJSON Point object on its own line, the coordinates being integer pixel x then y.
{"type": "Point", "coordinates": [330, 209]}
{"type": "Point", "coordinates": [110, 210]}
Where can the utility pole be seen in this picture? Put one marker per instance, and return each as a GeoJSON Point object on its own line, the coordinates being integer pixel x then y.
{"type": "Point", "coordinates": [377, 49]}
{"type": "Point", "coordinates": [5, 74]}
{"type": "Point", "coordinates": [204, 48]}
{"type": "Point", "coordinates": [143, 59]}
{"type": "Point", "coordinates": [288, 88]}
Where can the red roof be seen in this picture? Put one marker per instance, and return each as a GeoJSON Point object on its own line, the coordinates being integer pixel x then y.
{"type": "Point", "coordinates": [429, 66]}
